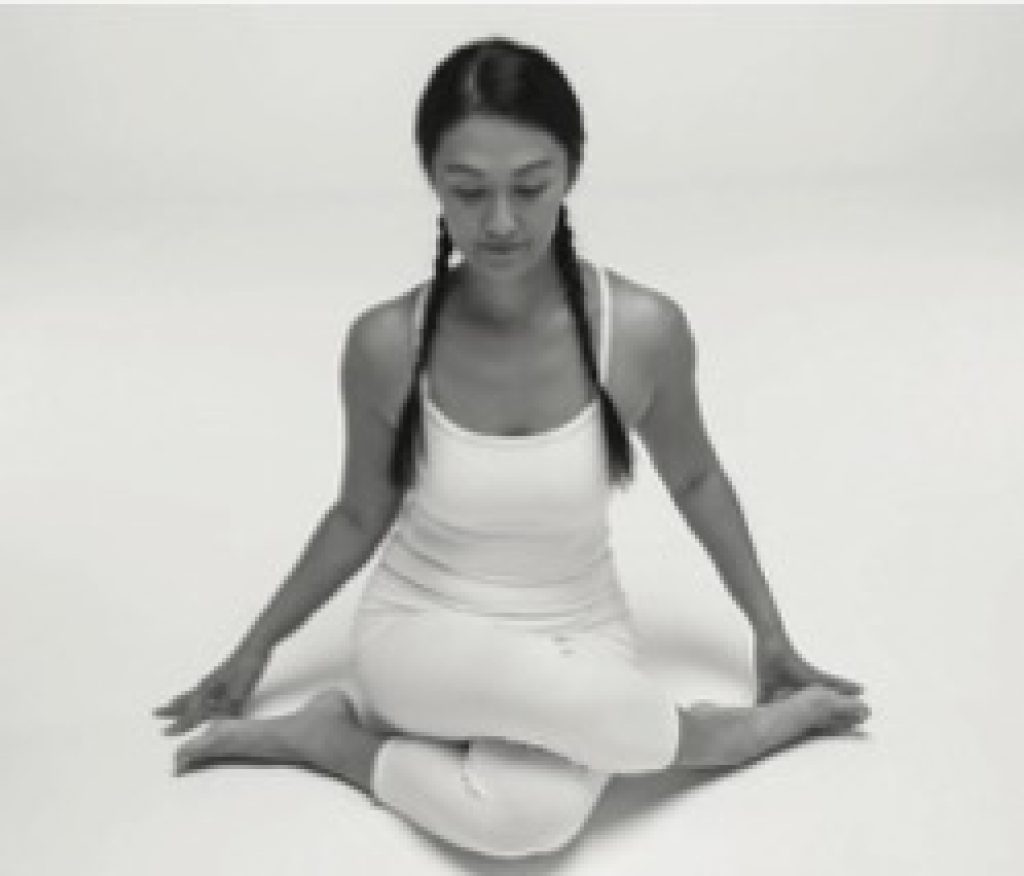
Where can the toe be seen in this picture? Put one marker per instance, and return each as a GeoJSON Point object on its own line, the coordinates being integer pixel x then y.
{"type": "Point", "coordinates": [861, 713]}
{"type": "Point", "coordinates": [849, 716]}
{"type": "Point", "coordinates": [192, 752]}
{"type": "Point", "coordinates": [183, 760]}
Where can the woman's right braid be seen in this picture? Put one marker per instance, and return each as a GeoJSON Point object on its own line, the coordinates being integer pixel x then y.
{"type": "Point", "coordinates": [409, 433]}
{"type": "Point", "coordinates": [618, 448]}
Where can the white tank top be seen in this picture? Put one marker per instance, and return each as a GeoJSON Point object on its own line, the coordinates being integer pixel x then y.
{"type": "Point", "coordinates": [509, 524]}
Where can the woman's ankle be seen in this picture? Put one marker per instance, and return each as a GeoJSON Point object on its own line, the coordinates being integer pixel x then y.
{"type": "Point", "coordinates": [712, 736]}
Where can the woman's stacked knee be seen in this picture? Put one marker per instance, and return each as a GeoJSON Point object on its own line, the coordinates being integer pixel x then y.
{"type": "Point", "coordinates": [529, 801]}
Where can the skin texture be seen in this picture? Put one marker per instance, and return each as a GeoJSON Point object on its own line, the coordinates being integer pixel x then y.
{"type": "Point", "coordinates": [506, 361]}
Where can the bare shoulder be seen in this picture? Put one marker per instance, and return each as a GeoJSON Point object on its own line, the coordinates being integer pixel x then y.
{"type": "Point", "coordinates": [381, 333]}
{"type": "Point", "coordinates": [378, 353]}
{"type": "Point", "coordinates": [653, 323]}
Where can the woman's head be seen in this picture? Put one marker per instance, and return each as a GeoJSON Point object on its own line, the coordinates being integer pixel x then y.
{"type": "Point", "coordinates": [500, 138]}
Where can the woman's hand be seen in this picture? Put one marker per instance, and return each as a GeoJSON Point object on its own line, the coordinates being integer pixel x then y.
{"type": "Point", "coordinates": [225, 691]}
{"type": "Point", "coordinates": [781, 671]}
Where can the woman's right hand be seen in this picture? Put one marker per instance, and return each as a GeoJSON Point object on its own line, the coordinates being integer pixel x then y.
{"type": "Point", "coordinates": [223, 692]}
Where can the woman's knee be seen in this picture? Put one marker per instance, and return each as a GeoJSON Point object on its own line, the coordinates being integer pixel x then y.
{"type": "Point", "coordinates": [519, 827]}
{"type": "Point", "coordinates": [534, 802]}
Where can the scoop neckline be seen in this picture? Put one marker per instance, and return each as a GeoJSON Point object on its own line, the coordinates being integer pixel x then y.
{"type": "Point", "coordinates": [545, 434]}
{"type": "Point", "coordinates": [532, 437]}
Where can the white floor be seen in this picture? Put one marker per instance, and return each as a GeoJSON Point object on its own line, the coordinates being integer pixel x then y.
{"type": "Point", "coordinates": [171, 433]}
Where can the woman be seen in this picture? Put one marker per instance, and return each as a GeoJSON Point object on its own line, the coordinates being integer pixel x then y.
{"type": "Point", "coordinates": [497, 688]}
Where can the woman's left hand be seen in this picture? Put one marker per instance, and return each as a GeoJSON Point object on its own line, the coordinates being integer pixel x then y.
{"type": "Point", "coordinates": [781, 671]}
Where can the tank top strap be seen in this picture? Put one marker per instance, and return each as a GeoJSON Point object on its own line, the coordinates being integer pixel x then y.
{"type": "Point", "coordinates": [604, 336]}
{"type": "Point", "coordinates": [419, 303]}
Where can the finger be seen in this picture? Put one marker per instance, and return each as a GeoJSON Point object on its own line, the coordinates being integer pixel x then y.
{"type": "Point", "coordinates": [843, 685]}
{"type": "Point", "coordinates": [188, 721]}
{"type": "Point", "coordinates": [182, 725]}
{"type": "Point", "coordinates": [171, 708]}
{"type": "Point", "coordinates": [168, 711]}
{"type": "Point", "coordinates": [195, 712]}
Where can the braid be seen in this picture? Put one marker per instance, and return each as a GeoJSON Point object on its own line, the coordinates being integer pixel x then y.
{"type": "Point", "coordinates": [620, 455]}
{"type": "Point", "coordinates": [409, 433]}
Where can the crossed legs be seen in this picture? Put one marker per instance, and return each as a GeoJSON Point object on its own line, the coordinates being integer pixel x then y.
{"type": "Point", "coordinates": [502, 742]}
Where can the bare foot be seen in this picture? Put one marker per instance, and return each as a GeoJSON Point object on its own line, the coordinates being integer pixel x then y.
{"type": "Point", "coordinates": [289, 739]}
{"type": "Point", "coordinates": [833, 712]}
{"type": "Point", "coordinates": [814, 709]}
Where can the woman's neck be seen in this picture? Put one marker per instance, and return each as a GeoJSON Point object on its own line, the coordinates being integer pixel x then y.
{"type": "Point", "coordinates": [507, 306]}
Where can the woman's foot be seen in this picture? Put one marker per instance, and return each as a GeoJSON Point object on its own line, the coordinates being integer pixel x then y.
{"type": "Point", "coordinates": [830, 711]}
{"type": "Point", "coordinates": [810, 710]}
{"type": "Point", "coordinates": [723, 736]}
{"type": "Point", "coordinates": [296, 738]}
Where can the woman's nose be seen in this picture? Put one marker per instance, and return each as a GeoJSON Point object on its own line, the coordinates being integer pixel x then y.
{"type": "Point", "coordinates": [499, 221]}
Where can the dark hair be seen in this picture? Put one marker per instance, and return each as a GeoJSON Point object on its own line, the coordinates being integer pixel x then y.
{"type": "Point", "coordinates": [497, 76]}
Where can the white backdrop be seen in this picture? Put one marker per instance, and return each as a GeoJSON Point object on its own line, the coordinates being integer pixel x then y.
{"type": "Point", "coordinates": [195, 203]}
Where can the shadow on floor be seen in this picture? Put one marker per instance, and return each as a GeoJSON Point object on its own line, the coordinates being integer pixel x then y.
{"type": "Point", "coordinates": [626, 798]}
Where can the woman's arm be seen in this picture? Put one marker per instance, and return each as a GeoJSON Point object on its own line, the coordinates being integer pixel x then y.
{"type": "Point", "coordinates": [345, 538]}
{"type": "Point", "coordinates": [674, 434]}
{"type": "Point", "coordinates": [354, 525]}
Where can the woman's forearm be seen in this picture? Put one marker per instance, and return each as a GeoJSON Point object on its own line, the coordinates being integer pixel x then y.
{"type": "Point", "coordinates": [712, 511]}
{"type": "Point", "coordinates": [335, 552]}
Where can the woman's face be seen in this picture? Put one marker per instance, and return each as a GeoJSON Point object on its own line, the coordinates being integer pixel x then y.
{"type": "Point", "coordinates": [500, 184]}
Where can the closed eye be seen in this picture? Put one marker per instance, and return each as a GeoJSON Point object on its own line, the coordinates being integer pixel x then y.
{"type": "Point", "coordinates": [522, 191]}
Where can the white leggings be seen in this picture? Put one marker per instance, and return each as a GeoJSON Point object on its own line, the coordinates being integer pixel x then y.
{"type": "Point", "coordinates": [507, 736]}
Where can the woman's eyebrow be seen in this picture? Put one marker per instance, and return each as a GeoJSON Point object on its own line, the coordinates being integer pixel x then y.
{"type": "Point", "coordinates": [455, 167]}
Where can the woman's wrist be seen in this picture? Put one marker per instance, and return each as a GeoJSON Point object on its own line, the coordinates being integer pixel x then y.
{"type": "Point", "coordinates": [256, 644]}
{"type": "Point", "coordinates": [772, 638]}
{"type": "Point", "coordinates": [766, 622]}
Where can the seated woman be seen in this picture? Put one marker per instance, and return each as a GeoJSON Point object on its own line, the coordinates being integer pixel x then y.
{"type": "Point", "coordinates": [489, 413]}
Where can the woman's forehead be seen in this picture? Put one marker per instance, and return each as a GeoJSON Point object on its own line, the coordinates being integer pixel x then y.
{"type": "Point", "coordinates": [488, 144]}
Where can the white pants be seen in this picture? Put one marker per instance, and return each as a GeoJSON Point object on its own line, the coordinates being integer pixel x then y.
{"type": "Point", "coordinates": [508, 733]}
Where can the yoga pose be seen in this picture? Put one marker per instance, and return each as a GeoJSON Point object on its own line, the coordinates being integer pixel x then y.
{"type": "Point", "coordinates": [489, 410]}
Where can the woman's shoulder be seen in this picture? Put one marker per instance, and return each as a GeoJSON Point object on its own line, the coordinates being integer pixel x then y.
{"type": "Point", "coordinates": [380, 342]}
{"type": "Point", "coordinates": [385, 327]}
{"type": "Point", "coordinates": [643, 313]}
